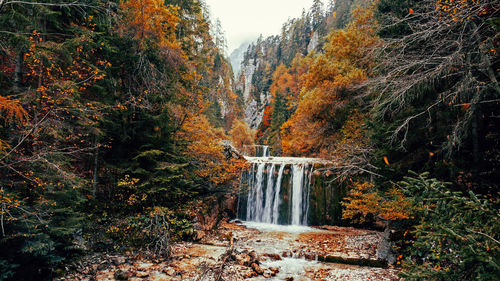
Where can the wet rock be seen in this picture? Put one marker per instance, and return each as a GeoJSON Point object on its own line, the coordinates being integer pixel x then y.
{"type": "Point", "coordinates": [230, 205]}
{"type": "Point", "coordinates": [257, 269]}
{"type": "Point", "coordinates": [169, 272]}
{"type": "Point", "coordinates": [142, 274]}
{"type": "Point", "coordinates": [275, 257]}
{"type": "Point", "coordinates": [122, 275]}
{"type": "Point", "coordinates": [118, 260]}
{"type": "Point", "coordinates": [254, 256]}
{"type": "Point", "coordinates": [251, 274]}
{"type": "Point", "coordinates": [310, 256]}
{"type": "Point", "coordinates": [384, 248]}
{"type": "Point", "coordinates": [243, 259]}
{"type": "Point", "coordinates": [102, 266]}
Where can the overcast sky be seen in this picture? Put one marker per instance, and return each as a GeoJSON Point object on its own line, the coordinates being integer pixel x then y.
{"type": "Point", "coordinates": [245, 20]}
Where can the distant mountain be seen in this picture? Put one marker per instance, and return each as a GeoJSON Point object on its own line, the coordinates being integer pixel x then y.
{"type": "Point", "coordinates": [236, 57]}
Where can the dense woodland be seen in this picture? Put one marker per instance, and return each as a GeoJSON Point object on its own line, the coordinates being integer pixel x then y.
{"type": "Point", "coordinates": [113, 115]}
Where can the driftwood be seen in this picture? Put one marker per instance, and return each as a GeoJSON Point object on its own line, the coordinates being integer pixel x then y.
{"type": "Point", "coordinates": [215, 272]}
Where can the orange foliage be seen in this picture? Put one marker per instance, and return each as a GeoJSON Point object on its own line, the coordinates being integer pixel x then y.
{"type": "Point", "coordinates": [289, 81]}
{"type": "Point", "coordinates": [241, 135]}
{"type": "Point", "coordinates": [151, 22]}
{"type": "Point", "coordinates": [347, 60]}
{"type": "Point", "coordinates": [55, 83]}
{"type": "Point", "coordinates": [457, 10]}
{"type": "Point", "coordinates": [362, 200]}
{"type": "Point", "coordinates": [11, 110]}
{"type": "Point", "coordinates": [206, 151]}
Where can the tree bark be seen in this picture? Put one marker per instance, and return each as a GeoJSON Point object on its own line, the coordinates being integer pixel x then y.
{"type": "Point", "coordinates": [18, 72]}
{"type": "Point", "coordinates": [95, 176]}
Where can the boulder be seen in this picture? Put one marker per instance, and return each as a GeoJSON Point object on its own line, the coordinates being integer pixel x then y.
{"type": "Point", "coordinates": [243, 259]}
{"type": "Point", "coordinates": [122, 275]}
{"type": "Point", "coordinates": [257, 268]}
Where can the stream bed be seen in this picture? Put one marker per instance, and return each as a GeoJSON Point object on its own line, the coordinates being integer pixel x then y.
{"type": "Point", "coordinates": [278, 252]}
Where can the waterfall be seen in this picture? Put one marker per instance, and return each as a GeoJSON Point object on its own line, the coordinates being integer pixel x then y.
{"type": "Point", "coordinates": [266, 217]}
{"type": "Point", "coordinates": [256, 150]}
{"type": "Point", "coordinates": [297, 196]}
{"type": "Point", "coordinates": [255, 196]}
{"type": "Point", "coordinates": [278, 189]}
{"type": "Point", "coordinates": [265, 151]}
{"type": "Point", "coordinates": [276, 202]}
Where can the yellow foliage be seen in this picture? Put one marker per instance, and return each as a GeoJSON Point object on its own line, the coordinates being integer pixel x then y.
{"type": "Point", "coordinates": [127, 181]}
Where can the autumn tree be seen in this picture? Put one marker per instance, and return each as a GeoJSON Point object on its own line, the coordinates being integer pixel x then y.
{"type": "Point", "coordinates": [241, 135]}
{"type": "Point", "coordinates": [325, 99]}
{"type": "Point", "coordinates": [151, 22]}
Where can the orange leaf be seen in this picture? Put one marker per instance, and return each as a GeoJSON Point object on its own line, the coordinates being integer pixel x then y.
{"type": "Point", "coordinates": [410, 11]}
{"type": "Point", "coordinates": [386, 160]}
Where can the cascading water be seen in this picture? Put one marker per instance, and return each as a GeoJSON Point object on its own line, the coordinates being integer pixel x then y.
{"type": "Point", "coordinates": [278, 189]}
{"type": "Point", "coordinates": [297, 194]}
{"type": "Point", "coordinates": [265, 151]}
{"type": "Point", "coordinates": [276, 202]}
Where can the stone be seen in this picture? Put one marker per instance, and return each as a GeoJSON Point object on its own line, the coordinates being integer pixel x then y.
{"type": "Point", "coordinates": [257, 268]}
{"type": "Point", "coordinates": [275, 257]}
{"type": "Point", "coordinates": [254, 256]}
{"type": "Point", "coordinates": [243, 259]}
{"type": "Point", "coordinates": [169, 272]}
{"type": "Point", "coordinates": [118, 260]}
{"type": "Point", "coordinates": [251, 274]}
{"type": "Point", "coordinates": [142, 274]}
{"type": "Point", "coordinates": [122, 275]}
{"type": "Point", "coordinates": [102, 266]}
{"type": "Point", "coordinates": [310, 256]}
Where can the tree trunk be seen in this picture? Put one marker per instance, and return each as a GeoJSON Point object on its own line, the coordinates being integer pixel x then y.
{"type": "Point", "coordinates": [475, 138]}
{"type": "Point", "coordinates": [18, 72]}
{"type": "Point", "coordinates": [95, 176]}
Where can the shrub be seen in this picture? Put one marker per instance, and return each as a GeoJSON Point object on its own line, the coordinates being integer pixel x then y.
{"type": "Point", "coordinates": [456, 236]}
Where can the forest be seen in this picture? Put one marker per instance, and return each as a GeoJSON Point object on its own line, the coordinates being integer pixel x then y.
{"type": "Point", "coordinates": [122, 127]}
